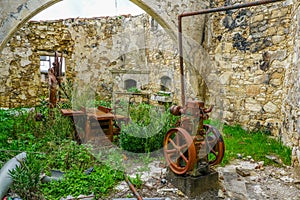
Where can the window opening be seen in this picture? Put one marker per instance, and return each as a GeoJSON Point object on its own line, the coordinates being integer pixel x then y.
{"type": "Point", "coordinates": [130, 83]}
{"type": "Point", "coordinates": [46, 63]}
{"type": "Point", "coordinates": [165, 83]}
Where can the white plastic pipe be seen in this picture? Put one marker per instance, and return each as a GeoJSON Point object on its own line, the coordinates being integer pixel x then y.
{"type": "Point", "coordinates": [5, 178]}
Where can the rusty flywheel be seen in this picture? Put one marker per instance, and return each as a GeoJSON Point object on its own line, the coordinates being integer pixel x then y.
{"type": "Point", "coordinates": [179, 150]}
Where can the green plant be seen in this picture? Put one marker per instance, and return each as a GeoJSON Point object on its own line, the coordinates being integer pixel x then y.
{"type": "Point", "coordinates": [76, 182]}
{"type": "Point", "coordinates": [50, 141]}
{"type": "Point", "coordinates": [133, 90]}
{"type": "Point", "coordinates": [113, 158]}
{"type": "Point", "coordinates": [141, 113]}
{"type": "Point", "coordinates": [101, 102]}
{"type": "Point", "coordinates": [162, 93]}
{"type": "Point", "coordinates": [70, 155]}
{"type": "Point", "coordinates": [137, 181]}
{"type": "Point", "coordinates": [147, 130]}
{"type": "Point", "coordinates": [26, 178]}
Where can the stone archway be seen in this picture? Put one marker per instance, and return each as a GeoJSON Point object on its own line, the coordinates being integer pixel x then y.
{"type": "Point", "coordinates": [14, 15]}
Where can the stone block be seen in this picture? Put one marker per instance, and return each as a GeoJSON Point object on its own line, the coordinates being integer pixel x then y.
{"type": "Point", "coordinates": [277, 39]}
{"type": "Point", "coordinates": [258, 18]}
{"type": "Point", "coordinates": [252, 107]}
{"type": "Point", "coordinates": [277, 13]}
{"type": "Point", "coordinates": [252, 90]}
{"type": "Point", "coordinates": [194, 187]}
{"type": "Point", "coordinates": [225, 78]}
{"type": "Point", "coordinates": [270, 107]}
{"type": "Point", "coordinates": [298, 155]}
{"type": "Point", "coordinates": [276, 82]}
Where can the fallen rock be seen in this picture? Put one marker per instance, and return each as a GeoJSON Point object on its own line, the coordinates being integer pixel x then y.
{"type": "Point", "coordinates": [287, 179]}
{"type": "Point", "coordinates": [253, 178]}
{"type": "Point", "coordinates": [221, 194]}
{"type": "Point", "coordinates": [274, 158]}
{"type": "Point", "coordinates": [297, 181]}
{"type": "Point", "coordinates": [260, 165]}
{"type": "Point", "coordinates": [239, 156]}
{"type": "Point", "coordinates": [242, 172]}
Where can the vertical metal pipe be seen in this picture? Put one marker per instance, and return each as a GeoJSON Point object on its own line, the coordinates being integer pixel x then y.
{"type": "Point", "coordinates": [181, 60]}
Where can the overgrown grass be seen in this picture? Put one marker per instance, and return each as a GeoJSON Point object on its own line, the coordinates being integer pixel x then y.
{"type": "Point", "coordinates": [255, 144]}
{"type": "Point", "coordinates": [49, 145]}
{"type": "Point", "coordinates": [74, 182]}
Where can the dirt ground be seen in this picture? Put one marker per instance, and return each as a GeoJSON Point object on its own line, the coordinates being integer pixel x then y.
{"type": "Point", "coordinates": [242, 179]}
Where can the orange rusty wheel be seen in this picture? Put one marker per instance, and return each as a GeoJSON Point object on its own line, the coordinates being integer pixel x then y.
{"type": "Point", "coordinates": [215, 146]}
{"type": "Point", "coordinates": [179, 150]}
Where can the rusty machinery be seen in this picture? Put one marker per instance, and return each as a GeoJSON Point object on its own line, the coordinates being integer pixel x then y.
{"type": "Point", "coordinates": [55, 76]}
{"type": "Point", "coordinates": [194, 146]}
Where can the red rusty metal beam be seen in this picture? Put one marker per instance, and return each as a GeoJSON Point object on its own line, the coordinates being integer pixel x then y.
{"type": "Point", "coordinates": [206, 11]}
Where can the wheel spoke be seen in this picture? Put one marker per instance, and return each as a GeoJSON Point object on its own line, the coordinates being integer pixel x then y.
{"type": "Point", "coordinates": [172, 142]}
{"type": "Point", "coordinates": [208, 130]}
{"type": "Point", "coordinates": [213, 152]}
{"type": "Point", "coordinates": [212, 143]}
{"type": "Point", "coordinates": [177, 139]}
{"type": "Point", "coordinates": [183, 146]}
{"type": "Point", "coordinates": [183, 157]}
{"type": "Point", "coordinates": [171, 151]}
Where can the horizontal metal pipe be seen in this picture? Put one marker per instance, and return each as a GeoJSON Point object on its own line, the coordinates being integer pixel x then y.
{"type": "Point", "coordinates": [229, 7]}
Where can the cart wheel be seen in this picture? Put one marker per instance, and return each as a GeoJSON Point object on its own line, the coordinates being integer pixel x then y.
{"type": "Point", "coordinates": [215, 146]}
{"type": "Point", "coordinates": [179, 150]}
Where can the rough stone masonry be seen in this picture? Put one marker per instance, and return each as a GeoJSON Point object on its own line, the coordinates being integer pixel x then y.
{"type": "Point", "coordinates": [254, 54]}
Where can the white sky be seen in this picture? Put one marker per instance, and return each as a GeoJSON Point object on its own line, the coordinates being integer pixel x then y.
{"type": "Point", "coordinates": [87, 9]}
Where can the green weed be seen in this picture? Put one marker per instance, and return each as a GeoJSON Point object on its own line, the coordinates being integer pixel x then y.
{"type": "Point", "coordinates": [75, 182]}
{"type": "Point", "coordinates": [26, 178]}
{"type": "Point", "coordinates": [137, 181]}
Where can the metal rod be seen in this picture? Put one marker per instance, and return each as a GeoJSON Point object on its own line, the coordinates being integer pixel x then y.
{"type": "Point", "coordinates": [206, 11]}
{"type": "Point", "coordinates": [132, 188]}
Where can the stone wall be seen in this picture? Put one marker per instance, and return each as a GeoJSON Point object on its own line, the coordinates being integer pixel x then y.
{"type": "Point", "coordinates": [100, 55]}
{"type": "Point", "coordinates": [249, 47]}
{"type": "Point", "coordinates": [256, 53]}
{"type": "Point", "coordinates": [291, 93]}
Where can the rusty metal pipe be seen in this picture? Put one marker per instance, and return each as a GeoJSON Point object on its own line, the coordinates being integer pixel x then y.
{"type": "Point", "coordinates": [132, 188]}
{"type": "Point", "coordinates": [230, 7]}
{"type": "Point", "coordinates": [206, 11]}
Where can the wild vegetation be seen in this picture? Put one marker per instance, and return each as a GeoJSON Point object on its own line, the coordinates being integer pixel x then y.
{"type": "Point", "coordinates": [50, 145]}
{"type": "Point", "coordinates": [147, 129]}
